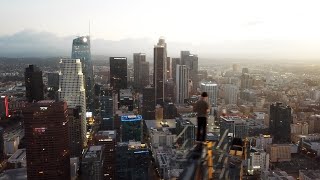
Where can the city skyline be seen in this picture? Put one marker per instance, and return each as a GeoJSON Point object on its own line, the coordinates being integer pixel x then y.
{"type": "Point", "coordinates": [211, 28]}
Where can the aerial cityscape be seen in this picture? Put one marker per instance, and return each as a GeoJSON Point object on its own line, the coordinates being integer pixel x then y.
{"type": "Point", "coordinates": [87, 107]}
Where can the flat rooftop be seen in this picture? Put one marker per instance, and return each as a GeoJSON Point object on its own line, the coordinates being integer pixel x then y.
{"type": "Point", "coordinates": [93, 152]}
{"type": "Point", "coordinates": [18, 156]}
{"type": "Point", "coordinates": [156, 124]}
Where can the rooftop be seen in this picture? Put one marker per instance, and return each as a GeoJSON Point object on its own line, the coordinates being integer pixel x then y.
{"type": "Point", "coordinates": [16, 174]}
{"type": "Point", "coordinates": [18, 156]}
{"type": "Point", "coordinates": [93, 152]}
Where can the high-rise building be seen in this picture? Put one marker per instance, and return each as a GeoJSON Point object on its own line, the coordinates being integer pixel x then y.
{"type": "Point", "coordinates": [138, 59]}
{"type": "Point", "coordinates": [231, 94]}
{"type": "Point", "coordinates": [71, 89]}
{"type": "Point", "coordinates": [212, 89]}
{"type": "Point", "coordinates": [144, 74]}
{"type": "Point", "coordinates": [53, 80]}
{"type": "Point", "coordinates": [92, 163]}
{"type": "Point", "coordinates": [4, 106]}
{"type": "Point", "coordinates": [108, 139]}
{"type": "Point", "coordinates": [169, 89]}
{"type": "Point", "coordinates": [279, 123]}
{"type": "Point", "coordinates": [191, 61]}
{"type": "Point", "coordinates": [106, 103]}
{"type": "Point", "coordinates": [118, 73]}
{"type": "Point", "coordinates": [169, 68]}
{"type": "Point", "coordinates": [131, 128]}
{"type": "Point", "coordinates": [75, 140]}
{"type": "Point", "coordinates": [81, 50]}
{"type": "Point", "coordinates": [1, 144]}
{"type": "Point", "coordinates": [245, 70]}
{"type": "Point", "coordinates": [246, 81]}
{"type": "Point", "coordinates": [47, 140]}
{"type": "Point", "coordinates": [182, 79]}
{"type": "Point", "coordinates": [160, 66]}
{"type": "Point", "coordinates": [174, 63]}
{"type": "Point", "coordinates": [148, 103]}
{"type": "Point", "coordinates": [133, 161]}
{"type": "Point", "coordinates": [33, 83]}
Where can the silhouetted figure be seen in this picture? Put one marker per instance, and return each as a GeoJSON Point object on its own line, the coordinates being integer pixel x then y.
{"type": "Point", "coordinates": [202, 108]}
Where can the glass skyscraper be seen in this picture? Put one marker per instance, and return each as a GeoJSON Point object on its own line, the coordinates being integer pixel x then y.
{"type": "Point", "coordinates": [81, 50]}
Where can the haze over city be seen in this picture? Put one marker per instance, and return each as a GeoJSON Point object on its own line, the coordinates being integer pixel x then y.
{"type": "Point", "coordinates": [213, 29]}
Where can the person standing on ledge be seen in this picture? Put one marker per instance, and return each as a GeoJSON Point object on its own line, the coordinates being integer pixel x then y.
{"type": "Point", "coordinates": [202, 108]}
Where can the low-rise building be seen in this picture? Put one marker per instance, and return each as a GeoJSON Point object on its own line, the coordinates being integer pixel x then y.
{"type": "Point", "coordinates": [275, 175]}
{"type": "Point", "coordinates": [280, 152]}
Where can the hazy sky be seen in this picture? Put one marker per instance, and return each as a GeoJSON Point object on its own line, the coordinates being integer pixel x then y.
{"type": "Point", "coordinates": [199, 22]}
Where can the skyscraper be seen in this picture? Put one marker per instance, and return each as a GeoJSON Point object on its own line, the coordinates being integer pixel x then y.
{"type": "Point", "coordinates": [144, 74]}
{"type": "Point", "coordinates": [75, 140]}
{"type": "Point", "coordinates": [81, 50]}
{"type": "Point", "coordinates": [4, 106]}
{"type": "Point", "coordinates": [169, 69]}
{"type": "Point", "coordinates": [191, 61]}
{"type": "Point", "coordinates": [118, 73]}
{"type": "Point", "coordinates": [182, 79]}
{"type": "Point", "coordinates": [33, 83]}
{"type": "Point", "coordinates": [138, 59]}
{"type": "Point", "coordinates": [280, 121]}
{"type": "Point", "coordinates": [212, 89]}
{"type": "Point", "coordinates": [108, 139]}
{"type": "Point", "coordinates": [71, 89]}
{"type": "Point", "coordinates": [47, 140]}
{"type": "Point", "coordinates": [174, 63]}
{"type": "Point", "coordinates": [231, 94]}
{"type": "Point", "coordinates": [160, 66]}
{"type": "Point", "coordinates": [148, 103]}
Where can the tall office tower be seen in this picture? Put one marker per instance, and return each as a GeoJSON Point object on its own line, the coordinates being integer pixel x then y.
{"type": "Point", "coordinates": [4, 106]}
{"type": "Point", "coordinates": [71, 89]}
{"type": "Point", "coordinates": [169, 89]}
{"type": "Point", "coordinates": [231, 94]}
{"type": "Point", "coordinates": [182, 79]}
{"type": "Point", "coordinates": [191, 61]}
{"type": "Point", "coordinates": [160, 66]}
{"type": "Point", "coordinates": [279, 123]}
{"type": "Point", "coordinates": [47, 140]}
{"type": "Point", "coordinates": [53, 80]}
{"type": "Point", "coordinates": [144, 81]}
{"type": "Point", "coordinates": [184, 56]}
{"type": "Point", "coordinates": [118, 73]}
{"type": "Point", "coordinates": [131, 128]}
{"type": "Point", "coordinates": [212, 89]}
{"type": "Point", "coordinates": [138, 59]}
{"type": "Point", "coordinates": [169, 68]}
{"type": "Point", "coordinates": [108, 139]}
{"type": "Point", "coordinates": [246, 81]}
{"type": "Point", "coordinates": [92, 163]}
{"type": "Point", "coordinates": [81, 50]}
{"type": "Point", "coordinates": [75, 140]}
{"type": "Point", "coordinates": [174, 63]}
{"type": "Point", "coordinates": [106, 103]}
{"type": "Point", "coordinates": [148, 103]}
{"type": "Point", "coordinates": [169, 110]}
{"type": "Point", "coordinates": [235, 67]}
{"type": "Point", "coordinates": [33, 83]}
{"type": "Point", "coordinates": [245, 70]}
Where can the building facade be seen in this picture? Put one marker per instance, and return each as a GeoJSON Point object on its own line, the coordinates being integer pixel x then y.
{"type": "Point", "coordinates": [47, 140]}
{"type": "Point", "coordinates": [72, 89]}
{"type": "Point", "coordinates": [81, 50]}
{"type": "Point", "coordinates": [33, 83]}
{"type": "Point", "coordinates": [92, 163]}
{"type": "Point", "coordinates": [118, 73]}
{"type": "Point", "coordinates": [159, 70]}
{"type": "Point", "coordinates": [182, 79]}
{"type": "Point", "coordinates": [279, 122]}
{"type": "Point", "coordinates": [212, 89]}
